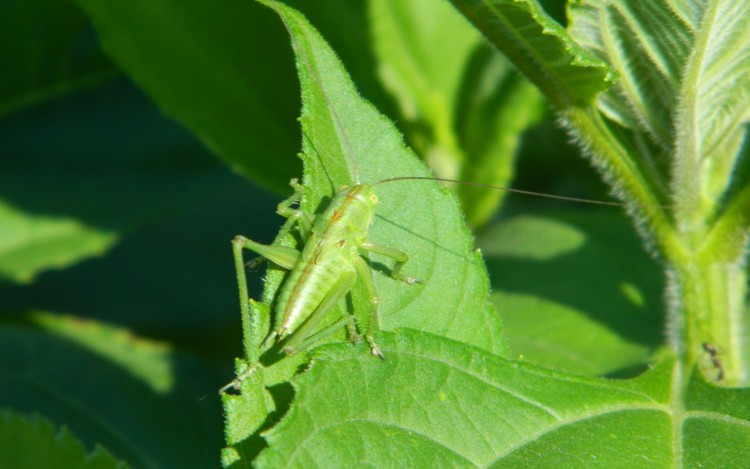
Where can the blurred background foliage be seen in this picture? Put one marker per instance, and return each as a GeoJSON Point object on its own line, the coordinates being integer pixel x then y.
{"type": "Point", "coordinates": [137, 138]}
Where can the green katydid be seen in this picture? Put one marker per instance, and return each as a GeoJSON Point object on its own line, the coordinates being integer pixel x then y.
{"type": "Point", "coordinates": [328, 265]}
{"type": "Point", "coordinates": [330, 261]}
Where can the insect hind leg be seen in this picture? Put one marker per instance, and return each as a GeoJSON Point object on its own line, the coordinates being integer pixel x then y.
{"type": "Point", "coordinates": [365, 274]}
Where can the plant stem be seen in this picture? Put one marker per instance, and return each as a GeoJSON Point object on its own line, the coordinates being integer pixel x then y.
{"type": "Point", "coordinates": [707, 285]}
{"type": "Point", "coordinates": [633, 182]}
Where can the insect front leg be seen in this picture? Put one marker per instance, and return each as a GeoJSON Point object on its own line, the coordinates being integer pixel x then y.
{"type": "Point", "coordinates": [294, 217]}
{"type": "Point", "coordinates": [400, 258]}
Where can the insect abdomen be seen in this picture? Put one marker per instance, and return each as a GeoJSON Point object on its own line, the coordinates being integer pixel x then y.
{"type": "Point", "coordinates": [306, 286]}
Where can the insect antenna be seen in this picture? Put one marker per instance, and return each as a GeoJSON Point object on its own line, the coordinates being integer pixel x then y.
{"type": "Point", "coordinates": [349, 149]}
{"type": "Point", "coordinates": [520, 191]}
{"type": "Point", "coordinates": [299, 53]}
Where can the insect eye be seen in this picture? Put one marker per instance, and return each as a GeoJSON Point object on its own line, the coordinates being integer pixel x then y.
{"type": "Point", "coordinates": [373, 198]}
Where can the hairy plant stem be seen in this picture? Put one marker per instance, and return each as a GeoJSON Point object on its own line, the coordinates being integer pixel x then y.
{"type": "Point", "coordinates": [707, 292]}
{"type": "Point", "coordinates": [631, 180]}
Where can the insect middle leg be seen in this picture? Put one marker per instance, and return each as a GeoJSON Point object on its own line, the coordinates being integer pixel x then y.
{"type": "Point", "coordinates": [400, 258]}
{"type": "Point", "coordinates": [365, 274]}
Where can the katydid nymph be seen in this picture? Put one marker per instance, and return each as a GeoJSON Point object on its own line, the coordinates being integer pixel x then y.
{"type": "Point", "coordinates": [337, 240]}
{"type": "Point", "coordinates": [328, 265]}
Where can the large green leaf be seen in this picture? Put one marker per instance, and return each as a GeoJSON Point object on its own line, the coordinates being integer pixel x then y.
{"type": "Point", "coordinates": [212, 67]}
{"type": "Point", "coordinates": [438, 403]}
{"type": "Point", "coordinates": [348, 141]}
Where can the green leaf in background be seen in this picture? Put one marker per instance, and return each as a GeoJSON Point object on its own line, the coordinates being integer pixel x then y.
{"type": "Point", "coordinates": [496, 108]}
{"type": "Point", "coordinates": [71, 186]}
{"type": "Point", "coordinates": [46, 51]}
{"type": "Point", "coordinates": [426, 85]}
{"type": "Point", "coordinates": [463, 108]}
{"type": "Point", "coordinates": [141, 399]}
{"type": "Point", "coordinates": [540, 48]}
{"type": "Point", "coordinates": [218, 69]}
{"type": "Point", "coordinates": [577, 291]}
{"type": "Point", "coordinates": [438, 403]}
{"type": "Point", "coordinates": [34, 442]}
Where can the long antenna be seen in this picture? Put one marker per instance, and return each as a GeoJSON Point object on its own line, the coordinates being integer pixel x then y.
{"type": "Point", "coordinates": [519, 191]}
{"type": "Point", "coordinates": [351, 155]}
{"type": "Point", "coordinates": [298, 53]}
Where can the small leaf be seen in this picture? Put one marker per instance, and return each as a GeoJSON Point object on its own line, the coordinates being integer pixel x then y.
{"type": "Point", "coordinates": [33, 243]}
{"type": "Point", "coordinates": [566, 73]}
{"type": "Point", "coordinates": [31, 442]}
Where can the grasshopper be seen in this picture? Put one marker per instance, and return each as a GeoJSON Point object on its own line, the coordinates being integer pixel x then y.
{"type": "Point", "coordinates": [328, 266]}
